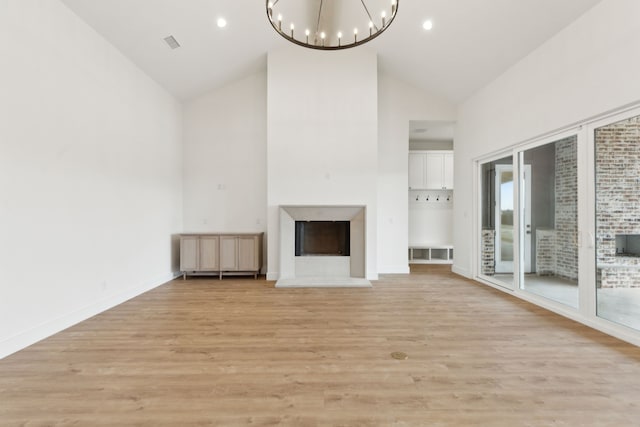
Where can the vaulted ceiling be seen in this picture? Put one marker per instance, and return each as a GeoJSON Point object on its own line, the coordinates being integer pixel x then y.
{"type": "Point", "coordinates": [472, 41]}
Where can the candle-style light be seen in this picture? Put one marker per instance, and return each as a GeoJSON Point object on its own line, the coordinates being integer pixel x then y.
{"type": "Point", "coordinates": [280, 22]}
{"type": "Point", "coordinates": [306, 33]}
{"type": "Point", "coordinates": [322, 36]}
{"type": "Point", "coordinates": [384, 17]}
{"type": "Point", "coordinates": [339, 37]}
{"type": "Point", "coordinates": [393, 7]}
{"type": "Point", "coordinates": [270, 10]}
{"type": "Point", "coordinates": [355, 35]}
{"type": "Point", "coordinates": [370, 28]}
{"type": "Point", "coordinates": [292, 27]}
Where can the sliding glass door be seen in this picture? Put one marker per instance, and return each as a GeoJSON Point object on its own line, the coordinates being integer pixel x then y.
{"type": "Point", "coordinates": [617, 225]}
{"type": "Point", "coordinates": [559, 222]}
{"type": "Point", "coordinates": [498, 234]}
{"type": "Point", "coordinates": [549, 200]}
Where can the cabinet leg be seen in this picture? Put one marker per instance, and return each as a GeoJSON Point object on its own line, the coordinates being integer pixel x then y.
{"type": "Point", "coordinates": [255, 276]}
{"type": "Point", "coordinates": [220, 276]}
{"type": "Point", "coordinates": [184, 276]}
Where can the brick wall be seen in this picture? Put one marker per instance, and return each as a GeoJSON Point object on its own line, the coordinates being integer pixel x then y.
{"type": "Point", "coordinates": [488, 266]}
{"type": "Point", "coordinates": [617, 200]}
{"type": "Point", "coordinates": [545, 252]}
{"type": "Point", "coordinates": [566, 209]}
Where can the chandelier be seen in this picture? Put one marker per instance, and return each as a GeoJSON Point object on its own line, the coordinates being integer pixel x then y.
{"type": "Point", "coordinates": [331, 24]}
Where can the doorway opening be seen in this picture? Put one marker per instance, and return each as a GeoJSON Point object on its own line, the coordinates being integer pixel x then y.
{"type": "Point", "coordinates": [430, 195]}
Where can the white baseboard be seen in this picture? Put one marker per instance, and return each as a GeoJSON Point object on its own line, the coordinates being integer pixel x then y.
{"type": "Point", "coordinates": [462, 271]}
{"type": "Point", "coordinates": [46, 329]}
{"type": "Point", "coordinates": [394, 269]}
{"type": "Point", "coordinates": [273, 276]}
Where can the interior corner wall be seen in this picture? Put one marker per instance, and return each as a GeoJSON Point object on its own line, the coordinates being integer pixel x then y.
{"type": "Point", "coordinates": [322, 141]}
{"type": "Point", "coordinates": [399, 103]}
{"type": "Point", "coordinates": [90, 174]}
{"type": "Point", "coordinates": [587, 69]}
{"type": "Point", "coordinates": [225, 165]}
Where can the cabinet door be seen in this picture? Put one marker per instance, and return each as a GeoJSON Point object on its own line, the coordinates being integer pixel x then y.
{"type": "Point", "coordinates": [248, 253]}
{"type": "Point", "coordinates": [448, 171]}
{"type": "Point", "coordinates": [188, 253]}
{"type": "Point", "coordinates": [435, 171]}
{"type": "Point", "coordinates": [228, 253]}
{"type": "Point", "coordinates": [416, 171]}
{"type": "Point", "coordinates": [208, 253]}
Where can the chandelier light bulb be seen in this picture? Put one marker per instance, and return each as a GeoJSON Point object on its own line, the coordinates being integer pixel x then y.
{"type": "Point", "coordinates": [280, 22]}
{"type": "Point", "coordinates": [428, 24]}
{"type": "Point", "coordinates": [292, 27]}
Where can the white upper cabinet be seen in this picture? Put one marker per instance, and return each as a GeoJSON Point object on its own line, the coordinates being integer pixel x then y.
{"type": "Point", "coordinates": [417, 171]}
{"type": "Point", "coordinates": [431, 170]}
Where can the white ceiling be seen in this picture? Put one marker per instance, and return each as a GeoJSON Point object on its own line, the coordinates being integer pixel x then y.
{"type": "Point", "coordinates": [431, 130]}
{"type": "Point", "coordinates": [472, 42]}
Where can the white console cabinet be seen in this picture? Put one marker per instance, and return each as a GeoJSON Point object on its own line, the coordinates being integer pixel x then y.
{"type": "Point", "coordinates": [220, 253]}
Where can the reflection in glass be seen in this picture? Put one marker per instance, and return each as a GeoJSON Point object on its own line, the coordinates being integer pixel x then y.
{"type": "Point", "coordinates": [550, 205]}
{"type": "Point", "coordinates": [617, 159]}
{"type": "Point", "coordinates": [506, 215]}
{"type": "Point", "coordinates": [497, 235]}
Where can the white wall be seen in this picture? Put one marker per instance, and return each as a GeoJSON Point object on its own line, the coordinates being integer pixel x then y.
{"type": "Point", "coordinates": [590, 67]}
{"type": "Point", "coordinates": [322, 137]}
{"type": "Point", "coordinates": [225, 165]}
{"type": "Point", "coordinates": [398, 103]}
{"type": "Point", "coordinates": [90, 174]}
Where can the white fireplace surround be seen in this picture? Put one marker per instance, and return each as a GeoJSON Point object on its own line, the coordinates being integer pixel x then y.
{"type": "Point", "coordinates": [322, 271]}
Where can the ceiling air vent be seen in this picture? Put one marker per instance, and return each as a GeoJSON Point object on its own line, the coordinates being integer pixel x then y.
{"type": "Point", "coordinates": [172, 42]}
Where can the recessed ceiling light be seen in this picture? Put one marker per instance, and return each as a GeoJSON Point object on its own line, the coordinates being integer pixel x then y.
{"type": "Point", "coordinates": [428, 24]}
{"type": "Point", "coordinates": [222, 22]}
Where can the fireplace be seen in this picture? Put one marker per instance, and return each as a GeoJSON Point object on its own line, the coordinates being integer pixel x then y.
{"type": "Point", "coordinates": [322, 238]}
{"type": "Point", "coordinates": [322, 246]}
{"type": "Point", "coordinates": [628, 245]}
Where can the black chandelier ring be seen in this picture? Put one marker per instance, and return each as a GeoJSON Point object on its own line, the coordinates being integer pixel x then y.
{"type": "Point", "coordinates": [321, 34]}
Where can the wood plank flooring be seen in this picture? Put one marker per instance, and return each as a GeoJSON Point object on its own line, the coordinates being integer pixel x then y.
{"type": "Point", "coordinates": [240, 352]}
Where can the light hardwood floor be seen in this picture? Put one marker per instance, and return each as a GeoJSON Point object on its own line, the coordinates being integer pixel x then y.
{"type": "Point", "coordinates": [238, 351]}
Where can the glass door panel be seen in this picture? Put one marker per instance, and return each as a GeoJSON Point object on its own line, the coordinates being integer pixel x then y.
{"type": "Point", "coordinates": [497, 250]}
{"type": "Point", "coordinates": [504, 216]}
{"type": "Point", "coordinates": [617, 176]}
{"type": "Point", "coordinates": [549, 194]}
